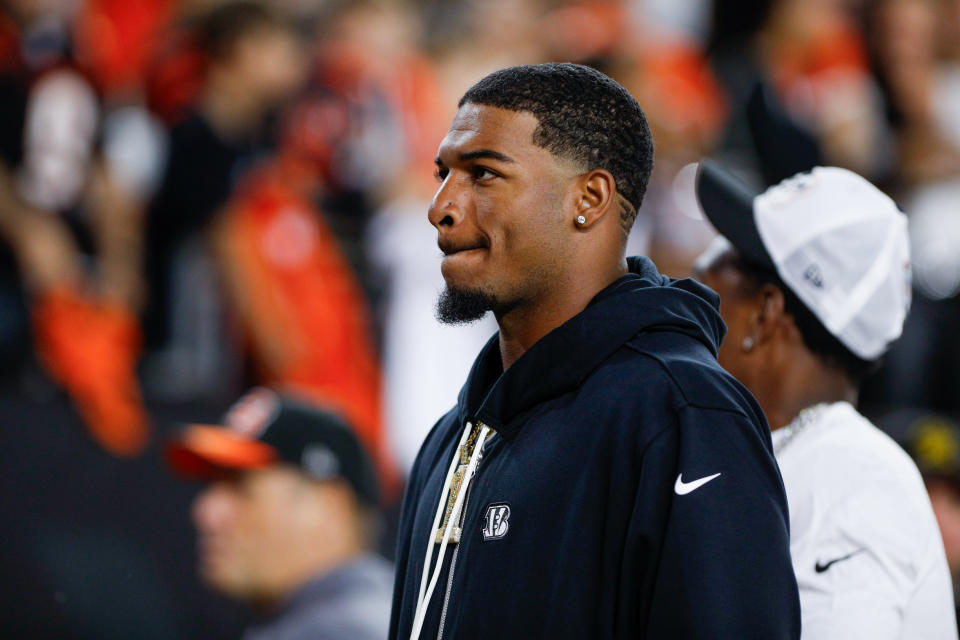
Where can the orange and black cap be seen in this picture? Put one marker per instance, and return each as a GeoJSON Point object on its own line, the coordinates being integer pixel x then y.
{"type": "Point", "coordinates": [264, 428]}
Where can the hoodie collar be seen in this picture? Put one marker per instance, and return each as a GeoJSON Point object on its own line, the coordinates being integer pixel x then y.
{"type": "Point", "coordinates": [640, 301]}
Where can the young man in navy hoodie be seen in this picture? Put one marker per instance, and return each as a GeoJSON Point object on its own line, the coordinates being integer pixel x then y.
{"type": "Point", "coordinates": [601, 476]}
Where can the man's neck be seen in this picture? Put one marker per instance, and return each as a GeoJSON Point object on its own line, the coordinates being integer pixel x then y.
{"type": "Point", "coordinates": [524, 325]}
{"type": "Point", "coordinates": [804, 383]}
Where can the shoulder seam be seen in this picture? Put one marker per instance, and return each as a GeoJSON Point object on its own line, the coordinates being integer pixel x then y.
{"type": "Point", "coordinates": [693, 405]}
{"type": "Point", "coordinates": [687, 403]}
{"type": "Point", "coordinates": [666, 370]}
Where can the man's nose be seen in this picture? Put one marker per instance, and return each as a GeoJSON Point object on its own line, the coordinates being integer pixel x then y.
{"type": "Point", "coordinates": [447, 207]}
{"type": "Point", "coordinates": [211, 508]}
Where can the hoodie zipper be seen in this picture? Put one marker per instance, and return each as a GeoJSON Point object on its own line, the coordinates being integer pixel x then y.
{"type": "Point", "coordinates": [446, 595]}
{"type": "Point", "coordinates": [462, 517]}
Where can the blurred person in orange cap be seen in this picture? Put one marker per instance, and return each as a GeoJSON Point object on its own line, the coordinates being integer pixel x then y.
{"type": "Point", "coordinates": [288, 518]}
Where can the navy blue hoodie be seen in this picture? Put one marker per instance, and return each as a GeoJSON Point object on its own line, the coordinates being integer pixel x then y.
{"type": "Point", "coordinates": [602, 537]}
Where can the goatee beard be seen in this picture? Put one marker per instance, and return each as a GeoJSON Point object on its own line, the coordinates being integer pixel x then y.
{"type": "Point", "coordinates": [462, 306]}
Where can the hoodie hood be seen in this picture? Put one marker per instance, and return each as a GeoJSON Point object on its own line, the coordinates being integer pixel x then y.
{"type": "Point", "coordinates": [640, 301]}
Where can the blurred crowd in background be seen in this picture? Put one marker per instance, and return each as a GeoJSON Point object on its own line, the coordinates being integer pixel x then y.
{"type": "Point", "coordinates": [200, 196]}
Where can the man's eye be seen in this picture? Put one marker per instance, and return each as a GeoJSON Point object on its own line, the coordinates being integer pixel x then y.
{"type": "Point", "coordinates": [441, 174]}
{"type": "Point", "coordinates": [482, 173]}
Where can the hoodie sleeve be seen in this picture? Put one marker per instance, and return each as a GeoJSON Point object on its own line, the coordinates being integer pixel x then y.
{"type": "Point", "coordinates": [724, 568]}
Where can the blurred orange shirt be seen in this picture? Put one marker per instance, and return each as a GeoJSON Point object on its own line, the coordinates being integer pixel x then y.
{"type": "Point", "coordinates": [302, 307]}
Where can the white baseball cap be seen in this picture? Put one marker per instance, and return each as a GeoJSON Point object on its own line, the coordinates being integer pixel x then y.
{"type": "Point", "coordinates": [837, 241]}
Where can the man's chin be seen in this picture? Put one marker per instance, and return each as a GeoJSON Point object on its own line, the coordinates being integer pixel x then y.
{"type": "Point", "coordinates": [458, 305]}
{"type": "Point", "coordinates": [226, 584]}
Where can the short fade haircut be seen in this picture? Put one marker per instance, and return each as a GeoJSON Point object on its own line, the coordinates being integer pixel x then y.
{"type": "Point", "coordinates": [816, 337]}
{"type": "Point", "coordinates": [584, 116]}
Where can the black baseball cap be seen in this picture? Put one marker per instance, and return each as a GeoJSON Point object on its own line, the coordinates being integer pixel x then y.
{"type": "Point", "coordinates": [264, 428]}
{"type": "Point", "coordinates": [728, 204]}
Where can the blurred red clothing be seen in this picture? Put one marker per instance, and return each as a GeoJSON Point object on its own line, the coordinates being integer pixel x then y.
{"type": "Point", "coordinates": [682, 90]}
{"type": "Point", "coordinates": [301, 305]}
{"type": "Point", "coordinates": [91, 349]}
{"type": "Point", "coordinates": [174, 75]}
{"type": "Point", "coordinates": [115, 38]}
{"type": "Point", "coordinates": [11, 60]}
{"type": "Point", "coordinates": [837, 47]}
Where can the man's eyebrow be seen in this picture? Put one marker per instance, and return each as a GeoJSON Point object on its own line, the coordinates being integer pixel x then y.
{"type": "Point", "coordinates": [485, 153]}
{"type": "Point", "coordinates": [479, 153]}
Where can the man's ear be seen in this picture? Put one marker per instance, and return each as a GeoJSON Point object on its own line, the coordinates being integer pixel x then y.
{"type": "Point", "coordinates": [596, 196]}
{"type": "Point", "coordinates": [771, 316]}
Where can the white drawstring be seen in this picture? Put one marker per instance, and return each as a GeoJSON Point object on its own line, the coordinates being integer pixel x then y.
{"type": "Point", "coordinates": [423, 601]}
{"type": "Point", "coordinates": [436, 520]}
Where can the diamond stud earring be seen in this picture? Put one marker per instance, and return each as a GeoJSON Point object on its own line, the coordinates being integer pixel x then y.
{"type": "Point", "coordinates": [581, 219]}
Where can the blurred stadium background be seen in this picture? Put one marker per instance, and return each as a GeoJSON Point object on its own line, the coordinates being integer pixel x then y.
{"type": "Point", "coordinates": [199, 196]}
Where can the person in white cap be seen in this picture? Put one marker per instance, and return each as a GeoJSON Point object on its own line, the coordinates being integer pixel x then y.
{"type": "Point", "coordinates": [814, 281]}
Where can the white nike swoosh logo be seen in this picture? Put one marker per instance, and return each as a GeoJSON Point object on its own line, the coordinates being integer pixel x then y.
{"type": "Point", "coordinates": [683, 488]}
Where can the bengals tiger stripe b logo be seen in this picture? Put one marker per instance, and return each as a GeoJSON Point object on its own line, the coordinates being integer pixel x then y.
{"type": "Point", "coordinates": [496, 522]}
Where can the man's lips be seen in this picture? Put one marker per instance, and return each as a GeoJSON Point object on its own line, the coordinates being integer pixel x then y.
{"type": "Point", "coordinates": [449, 247]}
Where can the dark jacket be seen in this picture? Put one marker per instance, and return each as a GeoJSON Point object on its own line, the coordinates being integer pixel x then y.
{"type": "Point", "coordinates": [594, 426]}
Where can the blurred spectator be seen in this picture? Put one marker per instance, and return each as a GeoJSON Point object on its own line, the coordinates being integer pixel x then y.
{"type": "Point", "coordinates": [288, 519]}
{"type": "Point", "coordinates": [253, 65]}
{"type": "Point", "coordinates": [115, 39]}
{"type": "Point", "coordinates": [934, 443]}
{"type": "Point", "coordinates": [470, 39]}
{"type": "Point", "coordinates": [812, 54]}
{"type": "Point", "coordinates": [709, 68]}
{"type": "Point", "coordinates": [914, 47]}
{"type": "Point", "coordinates": [62, 209]}
{"type": "Point", "coordinates": [301, 308]}
{"type": "Point", "coordinates": [374, 116]}
{"type": "Point", "coordinates": [664, 64]}
{"type": "Point", "coordinates": [918, 84]}
{"type": "Point", "coordinates": [367, 59]}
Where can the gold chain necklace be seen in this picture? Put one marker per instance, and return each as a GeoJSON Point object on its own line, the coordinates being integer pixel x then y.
{"type": "Point", "coordinates": [466, 451]}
